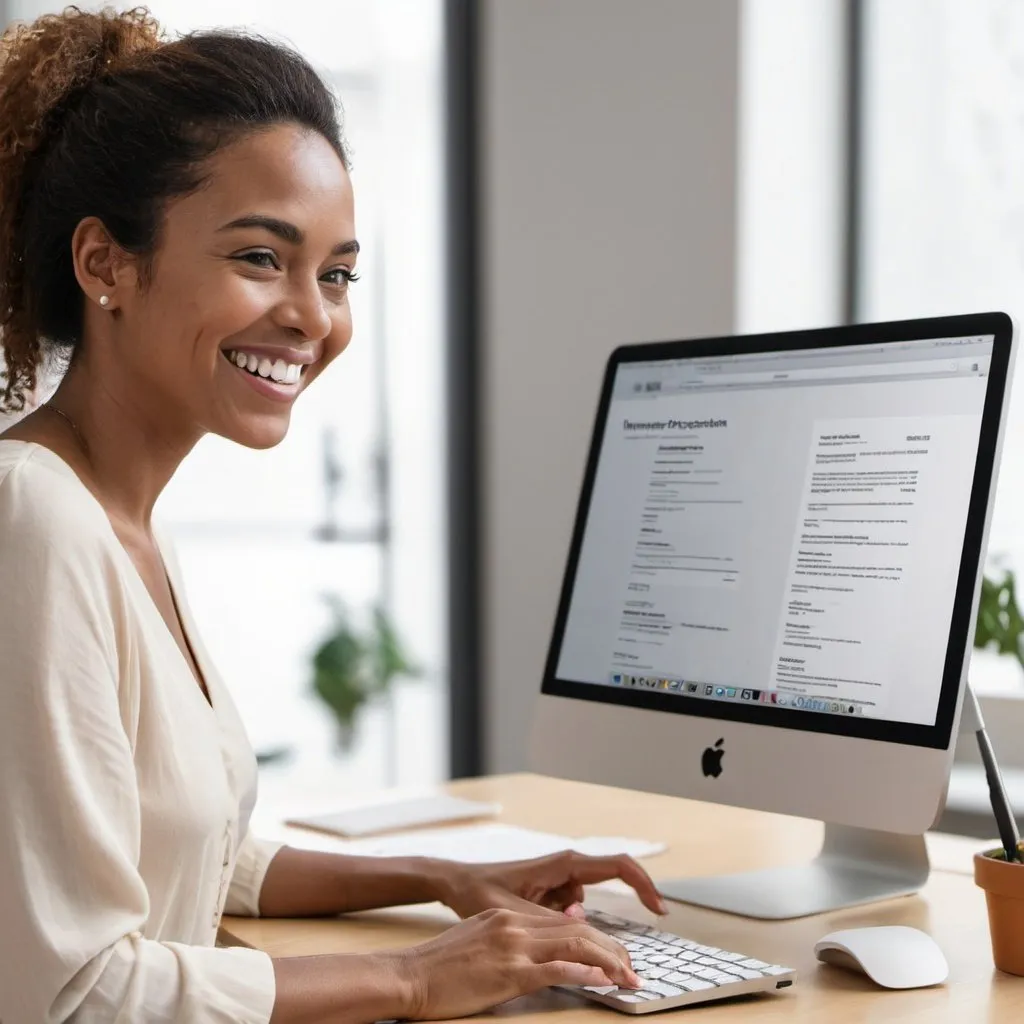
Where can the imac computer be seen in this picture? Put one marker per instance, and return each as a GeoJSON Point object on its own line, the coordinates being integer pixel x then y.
{"type": "Point", "coordinates": [771, 588]}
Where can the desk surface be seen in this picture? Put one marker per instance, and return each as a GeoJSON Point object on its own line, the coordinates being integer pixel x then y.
{"type": "Point", "coordinates": [707, 839]}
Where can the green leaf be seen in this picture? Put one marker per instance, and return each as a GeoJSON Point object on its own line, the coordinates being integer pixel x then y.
{"type": "Point", "coordinates": [391, 659]}
{"type": "Point", "coordinates": [350, 666]}
{"type": "Point", "coordinates": [1000, 625]}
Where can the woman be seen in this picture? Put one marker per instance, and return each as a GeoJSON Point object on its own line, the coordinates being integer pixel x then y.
{"type": "Point", "coordinates": [177, 217]}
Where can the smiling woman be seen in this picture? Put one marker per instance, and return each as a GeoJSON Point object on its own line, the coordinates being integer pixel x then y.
{"type": "Point", "coordinates": [276, 370]}
{"type": "Point", "coordinates": [265, 252]}
{"type": "Point", "coordinates": [257, 279]}
{"type": "Point", "coordinates": [170, 211]}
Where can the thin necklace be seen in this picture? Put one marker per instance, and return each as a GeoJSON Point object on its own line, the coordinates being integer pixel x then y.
{"type": "Point", "coordinates": [71, 423]}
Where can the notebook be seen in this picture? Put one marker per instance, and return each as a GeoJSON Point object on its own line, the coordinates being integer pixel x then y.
{"type": "Point", "coordinates": [394, 815]}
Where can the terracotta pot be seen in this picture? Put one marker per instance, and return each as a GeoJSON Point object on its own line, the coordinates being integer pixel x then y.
{"type": "Point", "coordinates": [1004, 892]}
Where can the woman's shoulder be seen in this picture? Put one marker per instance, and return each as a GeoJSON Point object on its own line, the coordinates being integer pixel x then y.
{"type": "Point", "coordinates": [42, 501]}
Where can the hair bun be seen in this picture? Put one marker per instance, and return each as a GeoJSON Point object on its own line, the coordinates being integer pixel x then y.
{"type": "Point", "coordinates": [44, 66]}
{"type": "Point", "coordinates": [47, 61]}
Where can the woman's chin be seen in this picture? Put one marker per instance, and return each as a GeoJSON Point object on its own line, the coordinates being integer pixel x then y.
{"type": "Point", "coordinates": [266, 432]}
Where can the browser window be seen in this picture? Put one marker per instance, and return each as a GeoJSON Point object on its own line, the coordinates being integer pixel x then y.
{"type": "Point", "coordinates": [782, 528]}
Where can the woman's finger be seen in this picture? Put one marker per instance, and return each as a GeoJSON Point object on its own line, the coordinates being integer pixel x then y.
{"type": "Point", "coordinates": [531, 915]}
{"type": "Point", "coordinates": [564, 895]}
{"type": "Point", "coordinates": [584, 950]}
{"type": "Point", "coordinates": [502, 899]}
{"type": "Point", "coordinates": [588, 870]}
{"type": "Point", "coordinates": [564, 972]}
{"type": "Point", "coordinates": [580, 931]}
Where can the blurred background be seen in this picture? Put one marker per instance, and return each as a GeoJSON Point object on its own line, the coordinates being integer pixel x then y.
{"type": "Point", "coordinates": [537, 182]}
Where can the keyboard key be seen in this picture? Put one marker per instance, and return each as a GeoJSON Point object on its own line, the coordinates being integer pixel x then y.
{"type": "Point", "coordinates": [661, 988]}
{"type": "Point", "coordinates": [758, 965]}
{"type": "Point", "coordinates": [707, 974]}
{"type": "Point", "coordinates": [677, 978]}
{"type": "Point", "coordinates": [721, 978]}
{"type": "Point", "coordinates": [743, 972]}
{"type": "Point", "coordinates": [654, 973]}
{"type": "Point", "coordinates": [615, 922]}
{"type": "Point", "coordinates": [772, 969]}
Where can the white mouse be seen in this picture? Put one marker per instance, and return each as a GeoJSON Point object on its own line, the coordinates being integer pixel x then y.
{"type": "Point", "coordinates": [893, 956]}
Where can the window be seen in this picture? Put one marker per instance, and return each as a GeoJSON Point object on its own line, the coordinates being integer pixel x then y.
{"type": "Point", "coordinates": [942, 198]}
{"type": "Point", "coordinates": [790, 216]}
{"type": "Point", "coordinates": [351, 504]}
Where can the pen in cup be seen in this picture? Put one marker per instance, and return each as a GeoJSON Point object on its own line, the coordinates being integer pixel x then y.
{"type": "Point", "coordinates": [1008, 833]}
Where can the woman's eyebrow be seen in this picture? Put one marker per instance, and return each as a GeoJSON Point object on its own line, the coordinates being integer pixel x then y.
{"type": "Point", "coordinates": [285, 231]}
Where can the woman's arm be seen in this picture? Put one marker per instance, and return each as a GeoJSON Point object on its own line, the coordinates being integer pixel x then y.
{"type": "Point", "coordinates": [492, 957]}
{"type": "Point", "coordinates": [301, 883]}
{"type": "Point", "coordinates": [308, 883]}
{"type": "Point", "coordinates": [340, 989]}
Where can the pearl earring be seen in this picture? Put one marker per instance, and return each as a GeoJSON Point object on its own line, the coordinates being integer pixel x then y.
{"type": "Point", "coordinates": [104, 301]}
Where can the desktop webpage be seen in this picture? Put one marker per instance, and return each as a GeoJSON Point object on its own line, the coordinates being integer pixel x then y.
{"type": "Point", "coordinates": [783, 529]}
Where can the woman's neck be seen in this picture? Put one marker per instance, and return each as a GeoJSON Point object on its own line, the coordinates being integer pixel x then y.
{"type": "Point", "coordinates": [125, 450]}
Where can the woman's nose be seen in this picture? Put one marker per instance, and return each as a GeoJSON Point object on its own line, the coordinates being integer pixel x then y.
{"type": "Point", "coordinates": [302, 310]}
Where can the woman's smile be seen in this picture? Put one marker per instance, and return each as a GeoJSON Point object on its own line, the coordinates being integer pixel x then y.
{"type": "Point", "coordinates": [270, 374]}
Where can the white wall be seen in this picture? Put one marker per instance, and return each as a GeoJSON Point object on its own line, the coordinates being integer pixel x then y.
{"type": "Point", "coordinates": [609, 137]}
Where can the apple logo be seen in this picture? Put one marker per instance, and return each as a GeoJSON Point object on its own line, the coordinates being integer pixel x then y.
{"type": "Point", "coordinates": [711, 761]}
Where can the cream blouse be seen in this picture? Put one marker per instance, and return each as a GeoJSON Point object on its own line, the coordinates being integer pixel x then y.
{"type": "Point", "coordinates": [125, 796]}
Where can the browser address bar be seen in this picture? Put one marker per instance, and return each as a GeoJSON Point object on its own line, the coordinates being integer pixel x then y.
{"type": "Point", "coordinates": [917, 368]}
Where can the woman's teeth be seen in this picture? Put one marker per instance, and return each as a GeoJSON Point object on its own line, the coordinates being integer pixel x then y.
{"type": "Point", "coordinates": [280, 371]}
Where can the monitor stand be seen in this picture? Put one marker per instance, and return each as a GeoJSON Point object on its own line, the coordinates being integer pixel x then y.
{"type": "Point", "coordinates": [855, 865]}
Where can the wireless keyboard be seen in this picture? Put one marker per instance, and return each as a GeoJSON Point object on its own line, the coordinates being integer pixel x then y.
{"type": "Point", "coordinates": [677, 972]}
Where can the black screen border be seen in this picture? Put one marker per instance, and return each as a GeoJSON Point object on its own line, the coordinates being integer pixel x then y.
{"type": "Point", "coordinates": [937, 736]}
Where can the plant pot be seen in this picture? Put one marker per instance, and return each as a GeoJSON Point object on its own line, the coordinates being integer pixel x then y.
{"type": "Point", "coordinates": [1003, 883]}
{"type": "Point", "coordinates": [344, 736]}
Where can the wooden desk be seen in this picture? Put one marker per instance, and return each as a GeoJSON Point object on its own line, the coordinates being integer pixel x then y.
{"type": "Point", "coordinates": [706, 839]}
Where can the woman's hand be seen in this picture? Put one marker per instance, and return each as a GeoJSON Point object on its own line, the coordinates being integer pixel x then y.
{"type": "Point", "coordinates": [555, 882]}
{"type": "Point", "coordinates": [501, 954]}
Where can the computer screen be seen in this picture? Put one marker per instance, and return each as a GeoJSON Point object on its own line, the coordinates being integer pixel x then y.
{"type": "Point", "coordinates": [776, 536]}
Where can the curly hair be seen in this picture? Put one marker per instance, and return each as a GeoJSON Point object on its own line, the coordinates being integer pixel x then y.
{"type": "Point", "coordinates": [102, 116]}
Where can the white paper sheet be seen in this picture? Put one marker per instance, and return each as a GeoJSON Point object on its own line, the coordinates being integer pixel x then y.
{"type": "Point", "coordinates": [491, 843]}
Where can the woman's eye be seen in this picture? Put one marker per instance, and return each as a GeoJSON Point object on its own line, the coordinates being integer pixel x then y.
{"type": "Point", "coordinates": [260, 259]}
{"type": "Point", "coordinates": [340, 276]}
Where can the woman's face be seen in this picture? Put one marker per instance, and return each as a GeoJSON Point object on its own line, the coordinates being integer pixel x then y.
{"type": "Point", "coordinates": [247, 297]}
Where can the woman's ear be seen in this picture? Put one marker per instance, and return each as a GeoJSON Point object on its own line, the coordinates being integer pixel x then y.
{"type": "Point", "coordinates": [102, 267]}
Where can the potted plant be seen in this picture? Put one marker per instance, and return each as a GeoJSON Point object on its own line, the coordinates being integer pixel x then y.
{"type": "Point", "coordinates": [352, 666]}
{"type": "Point", "coordinates": [1000, 625]}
